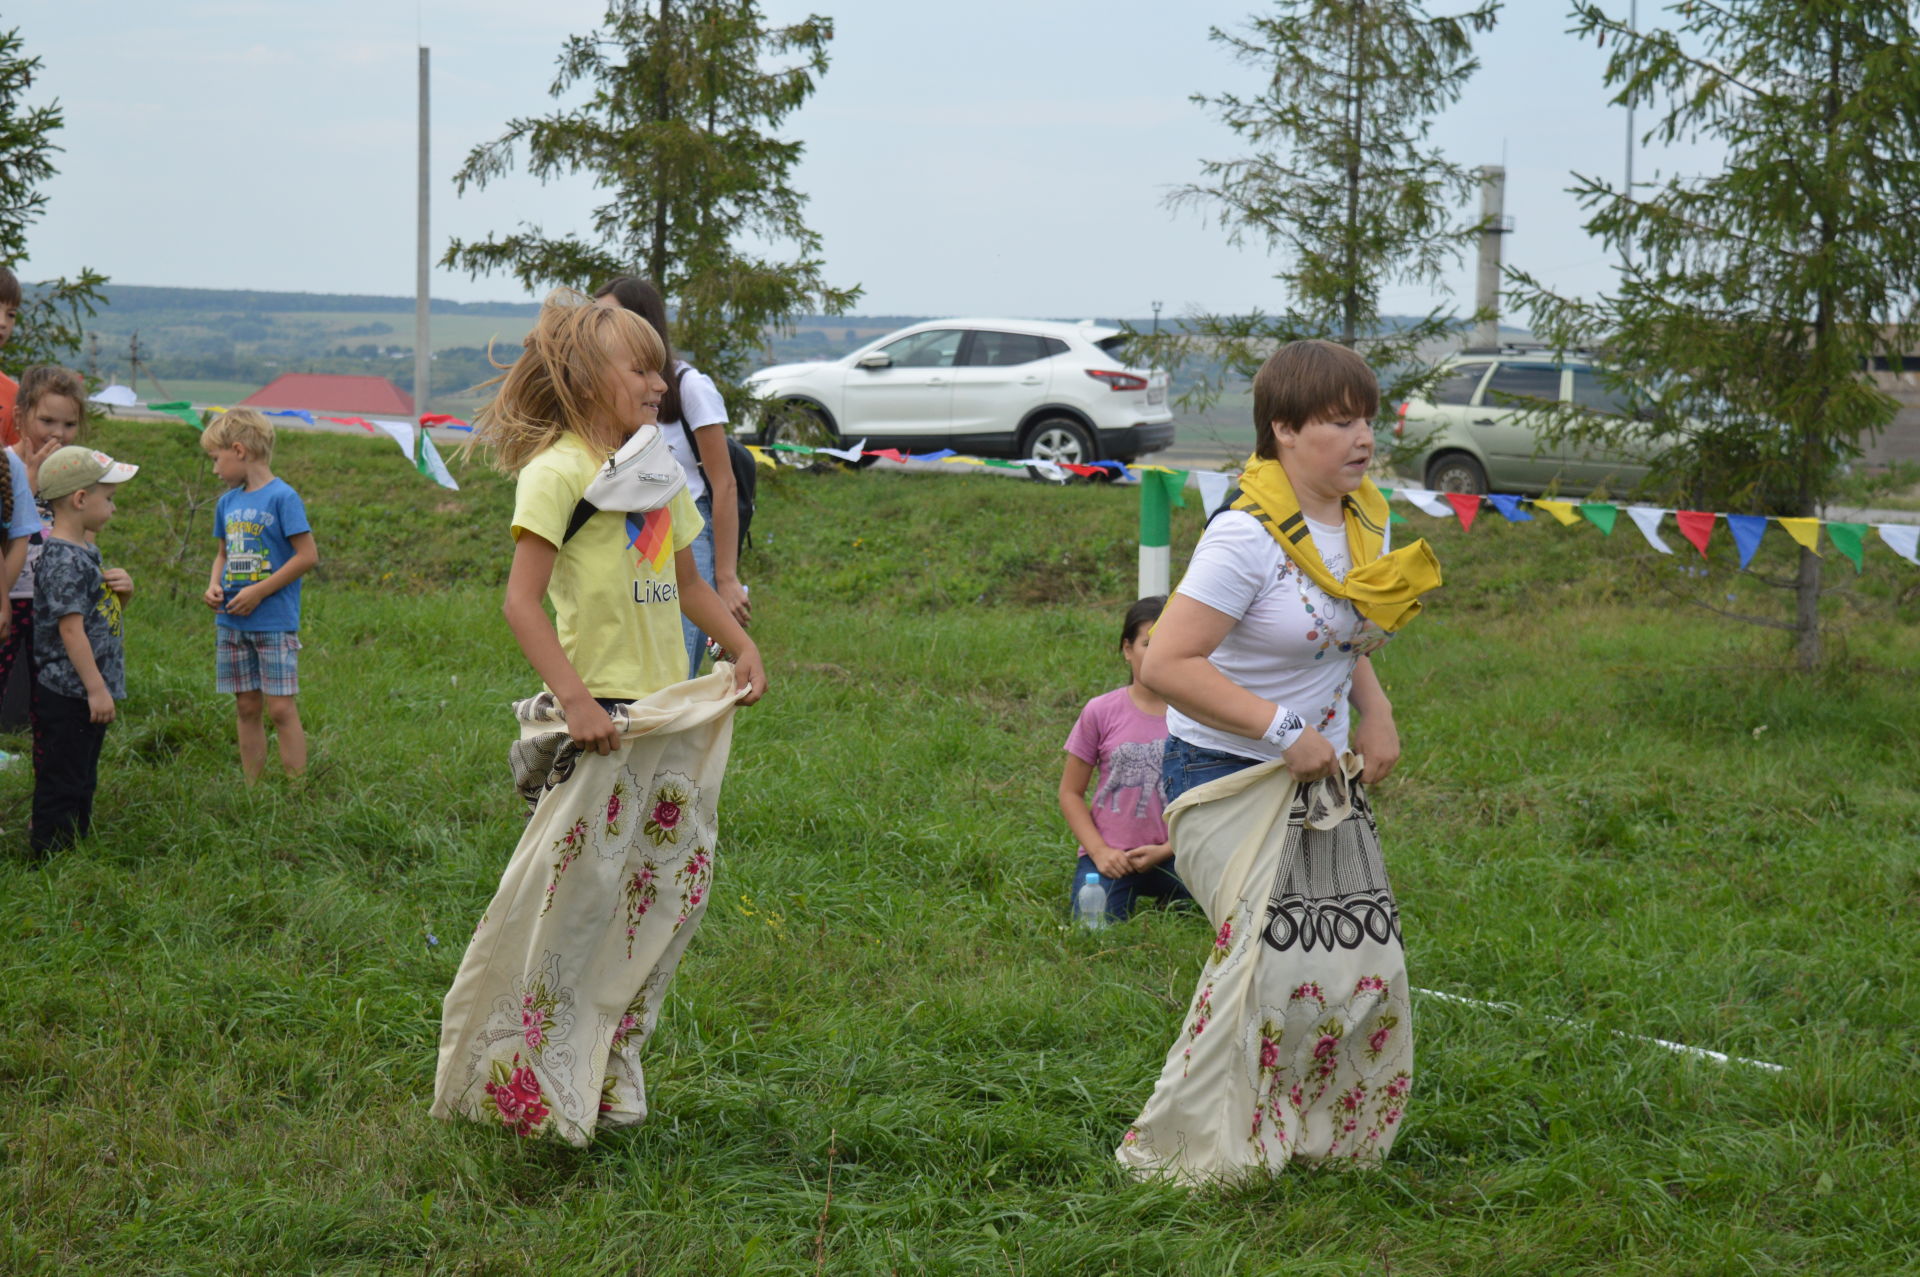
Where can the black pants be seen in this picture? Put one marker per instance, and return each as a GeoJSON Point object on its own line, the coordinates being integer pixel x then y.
{"type": "Point", "coordinates": [66, 769]}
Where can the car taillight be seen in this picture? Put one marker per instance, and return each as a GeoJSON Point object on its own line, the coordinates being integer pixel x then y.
{"type": "Point", "coordinates": [1118, 380]}
{"type": "Point", "coordinates": [1400, 426]}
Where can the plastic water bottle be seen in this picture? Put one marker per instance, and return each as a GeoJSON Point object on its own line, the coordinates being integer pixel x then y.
{"type": "Point", "coordinates": [1090, 903]}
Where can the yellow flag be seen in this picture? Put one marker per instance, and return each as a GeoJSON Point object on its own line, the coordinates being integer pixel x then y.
{"type": "Point", "coordinates": [1805, 531]}
{"type": "Point", "coordinates": [1561, 510]}
{"type": "Point", "coordinates": [963, 461]}
{"type": "Point", "coordinates": [760, 457]}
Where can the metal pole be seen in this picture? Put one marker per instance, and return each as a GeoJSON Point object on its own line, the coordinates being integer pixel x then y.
{"type": "Point", "coordinates": [422, 281]}
{"type": "Point", "coordinates": [1626, 245]}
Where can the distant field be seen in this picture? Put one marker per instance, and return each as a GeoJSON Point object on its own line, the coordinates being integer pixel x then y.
{"type": "Point", "coordinates": [225, 393]}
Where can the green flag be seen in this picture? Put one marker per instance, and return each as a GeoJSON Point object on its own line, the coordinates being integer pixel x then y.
{"type": "Point", "coordinates": [1160, 490]}
{"type": "Point", "coordinates": [1600, 514]}
{"type": "Point", "coordinates": [181, 409]}
{"type": "Point", "coordinates": [1849, 539]}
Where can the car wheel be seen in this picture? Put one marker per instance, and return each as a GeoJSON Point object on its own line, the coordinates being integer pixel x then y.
{"type": "Point", "coordinates": [1059, 439]}
{"type": "Point", "coordinates": [1457, 472]}
{"type": "Point", "coordinates": [792, 421]}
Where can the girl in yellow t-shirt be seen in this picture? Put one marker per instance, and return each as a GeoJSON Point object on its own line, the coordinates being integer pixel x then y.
{"type": "Point", "coordinates": [589, 378]}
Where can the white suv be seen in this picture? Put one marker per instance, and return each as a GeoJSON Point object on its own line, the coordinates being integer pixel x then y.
{"type": "Point", "coordinates": [999, 387]}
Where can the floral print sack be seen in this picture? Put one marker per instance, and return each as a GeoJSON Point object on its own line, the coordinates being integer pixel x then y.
{"type": "Point", "coordinates": [565, 975]}
{"type": "Point", "coordinates": [1298, 1042]}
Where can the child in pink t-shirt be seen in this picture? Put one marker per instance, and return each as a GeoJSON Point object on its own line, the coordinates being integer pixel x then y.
{"type": "Point", "coordinates": [1121, 734]}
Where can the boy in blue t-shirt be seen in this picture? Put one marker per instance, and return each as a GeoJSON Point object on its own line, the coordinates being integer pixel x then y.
{"type": "Point", "coordinates": [265, 548]}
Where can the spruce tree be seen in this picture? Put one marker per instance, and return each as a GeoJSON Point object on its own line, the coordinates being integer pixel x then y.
{"type": "Point", "coordinates": [1756, 298]}
{"type": "Point", "coordinates": [48, 330]}
{"type": "Point", "coordinates": [1340, 180]}
{"type": "Point", "coordinates": [678, 129]}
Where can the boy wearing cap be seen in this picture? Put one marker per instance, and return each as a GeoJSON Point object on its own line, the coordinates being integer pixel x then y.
{"type": "Point", "coordinates": [77, 640]}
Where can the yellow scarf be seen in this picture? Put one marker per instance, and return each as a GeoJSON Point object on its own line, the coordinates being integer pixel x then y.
{"type": "Point", "coordinates": [1385, 590]}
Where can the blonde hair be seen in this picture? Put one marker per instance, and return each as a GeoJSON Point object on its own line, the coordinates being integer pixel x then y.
{"type": "Point", "coordinates": [563, 380]}
{"type": "Point", "coordinates": [41, 380]}
{"type": "Point", "coordinates": [243, 426]}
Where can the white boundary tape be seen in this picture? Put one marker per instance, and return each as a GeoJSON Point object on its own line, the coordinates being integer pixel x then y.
{"type": "Point", "coordinates": [1679, 1048]}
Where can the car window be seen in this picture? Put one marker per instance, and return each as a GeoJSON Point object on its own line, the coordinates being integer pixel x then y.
{"type": "Point", "coordinates": [1114, 346]}
{"type": "Point", "coordinates": [1057, 347]}
{"type": "Point", "coordinates": [933, 349]}
{"type": "Point", "coordinates": [998, 350]}
{"type": "Point", "coordinates": [1591, 392]}
{"type": "Point", "coordinates": [1458, 385]}
{"type": "Point", "coordinates": [1522, 385]}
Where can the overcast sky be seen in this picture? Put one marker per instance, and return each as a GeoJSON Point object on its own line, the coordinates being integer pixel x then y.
{"type": "Point", "coordinates": [1001, 157]}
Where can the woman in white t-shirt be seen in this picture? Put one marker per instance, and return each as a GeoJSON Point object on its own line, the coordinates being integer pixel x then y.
{"type": "Point", "coordinates": [1298, 1042]}
{"type": "Point", "coordinates": [693, 417]}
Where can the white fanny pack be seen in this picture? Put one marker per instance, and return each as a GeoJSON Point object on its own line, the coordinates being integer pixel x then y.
{"type": "Point", "coordinates": [642, 476]}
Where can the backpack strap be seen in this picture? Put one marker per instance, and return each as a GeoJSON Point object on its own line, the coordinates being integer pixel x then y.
{"type": "Point", "coordinates": [581, 513]}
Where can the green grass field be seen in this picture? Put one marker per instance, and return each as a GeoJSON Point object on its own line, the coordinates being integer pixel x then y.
{"type": "Point", "coordinates": [885, 1052]}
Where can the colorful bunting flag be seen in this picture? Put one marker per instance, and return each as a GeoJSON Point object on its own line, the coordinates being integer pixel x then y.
{"type": "Point", "coordinates": [1561, 510]}
{"type": "Point", "coordinates": [1903, 539]}
{"type": "Point", "coordinates": [301, 413]}
{"type": "Point", "coordinates": [801, 448]}
{"type": "Point", "coordinates": [1426, 500]}
{"type": "Point", "coordinates": [938, 454]}
{"type": "Point", "coordinates": [1805, 531]}
{"type": "Point", "coordinates": [760, 456]}
{"type": "Point", "coordinates": [1647, 519]}
{"type": "Point", "coordinates": [1850, 538]}
{"type": "Point", "coordinates": [846, 454]}
{"type": "Point", "coordinates": [179, 409]}
{"type": "Point", "coordinates": [964, 461]}
{"type": "Point", "coordinates": [889, 454]}
{"type": "Point", "coordinates": [1696, 526]}
{"type": "Point", "coordinates": [1509, 507]}
{"type": "Point", "coordinates": [442, 419]}
{"type": "Point", "coordinates": [1747, 530]}
{"type": "Point", "coordinates": [362, 422]}
{"type": "Point", "coordinates": [1600, 514]}
{"type": "Point", "coordinates": [1465, 507]}
{"type": "Point", "coordinates": [1214, 487]}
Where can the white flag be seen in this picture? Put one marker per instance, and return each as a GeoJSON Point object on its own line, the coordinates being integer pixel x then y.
{"type": "Point", "coordinates": [1214, 487]}
{"type": "Point", "coordinates": [1427, 500]}
{"type": "Point", "coordinates": [846, 454]}
{"type": "Point", "coordinates": [1902, 538]}
{"type": "Point", "coordinates": [1647, 519]}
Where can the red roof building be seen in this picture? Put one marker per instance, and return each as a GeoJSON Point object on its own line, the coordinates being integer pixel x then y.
{"type": "Point", "coordinates": [332, 392]}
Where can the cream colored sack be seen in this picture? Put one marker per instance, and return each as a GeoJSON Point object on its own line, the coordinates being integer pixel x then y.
{"type": "Point", "coordinates": [1298, 1041]}
{"type": "Point", "coordinates": [565, 975]}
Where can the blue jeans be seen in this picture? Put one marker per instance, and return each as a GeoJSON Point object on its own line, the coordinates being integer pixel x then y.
{"type": "Point", "coordinates": [1159, 883]}
{"type": "Point", "coordinates": [703, 559]}
{"type": "Point", "coordinates": [1186, 765]}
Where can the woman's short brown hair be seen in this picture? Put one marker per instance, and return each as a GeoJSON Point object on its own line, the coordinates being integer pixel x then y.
{"type": "Point", "coordinates": [1307, 381]}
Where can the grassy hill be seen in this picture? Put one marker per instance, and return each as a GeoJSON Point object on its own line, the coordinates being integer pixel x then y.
{"type": "Point", "coordinates": [885, 1051]}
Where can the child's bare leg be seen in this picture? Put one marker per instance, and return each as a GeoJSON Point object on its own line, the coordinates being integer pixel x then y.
{"type": "Point", "coordinates": [292, 736]}
{"type": "Point", "coordinates": [253, 733]}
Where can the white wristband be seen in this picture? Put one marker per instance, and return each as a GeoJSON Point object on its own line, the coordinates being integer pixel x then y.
{"type": "Point", "coordinates": [1285, 729]}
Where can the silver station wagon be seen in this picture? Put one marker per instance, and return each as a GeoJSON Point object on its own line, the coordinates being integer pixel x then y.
{"type": "Point", "coordinates": [1481, 430]}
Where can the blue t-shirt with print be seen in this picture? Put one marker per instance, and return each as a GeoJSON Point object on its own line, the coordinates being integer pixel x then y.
{"type": "Point", "coordinates": [257, 528]}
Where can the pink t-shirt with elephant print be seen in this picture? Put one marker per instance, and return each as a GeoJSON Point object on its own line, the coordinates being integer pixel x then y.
{"type": "Point", "coordinates": [1123, 743]}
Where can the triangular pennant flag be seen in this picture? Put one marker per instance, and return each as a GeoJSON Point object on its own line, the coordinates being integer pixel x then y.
{"type": "Point", "coordinates": [427, 461]}
{"type": "Point", "coordinates": [301, 413]}
{"type": "Point", "coordinates": [1902, 538]}
{"type": "Point", "coordinates": [1600, 514]}
{"type": "Point", "coordinates": [1426, 500]}
{"type": "Point", "coordinates": [1465, 507]}
{"type": "Point", "coordinates": [800, 448]}
{"type": "Point", "coordinates": [1000, 464]}
{"type": "Point", "coordinates": [760, 457]}
{"type": "Point", "coordinates": [442, 419]}
{"type": "Point", "coordinates": [1561, 510]}
{"type": "Point", "coordinates": [180, 409]}
{"type": "Point", "coordinates": [1647, 519]}
{"type": "Point", "coordinates": [1805, 531]}
{"type": "Point", "coordinates": [1085, 472]}
{"type": "Point", "coordinates": [1394, 516]}
{"type": "Point", "coordinates": [1214, 487]}
{"type": "Point", "coordinates": [888, 454]}
{"type": "Point", "coordinates": [1851, 539]}
{"type": "Point", "coordinates": [1697, 527]}
{"type": "Point", "coordinates": [1747, 530]}
{"type": "Point", "coordinates": [1509, 507]}
{"type": "Point", "coordinates": [362, 422]}
{"type": "Point", "coordinates": [846, 454]}
{"type": "Point", "coordinates": [939, 454]}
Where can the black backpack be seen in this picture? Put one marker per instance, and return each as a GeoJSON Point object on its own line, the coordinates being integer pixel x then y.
{"type": "Point", "coordinates": [745, 481]}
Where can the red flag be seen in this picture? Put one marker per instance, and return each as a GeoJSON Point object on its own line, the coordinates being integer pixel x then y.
{"type": "Point", "coordinates": [1696, 526]}
{"type": "Point", "coordinates": [439, 419]}
{"type": "Point", "coordinates": [890, 454]}
{"type": "Point", "coordinates": [362, 422]}
{"type": "Point", "coordinates": [1083, 471]}
{"type": "Point", "coordinates": [1465, 505]}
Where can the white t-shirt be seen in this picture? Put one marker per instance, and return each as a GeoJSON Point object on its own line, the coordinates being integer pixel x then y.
{"type": "Point", "coordinates": [1295, 645]}
{"type": "Point", "coordinates": [701, 405]}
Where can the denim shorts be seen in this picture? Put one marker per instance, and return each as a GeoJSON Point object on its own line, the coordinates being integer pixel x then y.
{"type": "Point", "coordinates": [1185, 765]}
{"type": "Point", "coordinates": [256, 661]}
